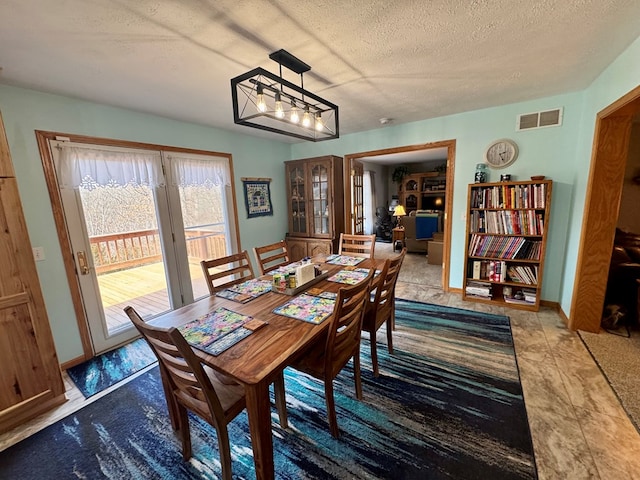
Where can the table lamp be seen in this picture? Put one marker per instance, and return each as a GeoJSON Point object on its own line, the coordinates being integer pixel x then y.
{"type": "Point", "coordinates": [399, 212]}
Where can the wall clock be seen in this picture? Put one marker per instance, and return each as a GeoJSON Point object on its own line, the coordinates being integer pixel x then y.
{"type": "Point", "coordinates": [501, 153]}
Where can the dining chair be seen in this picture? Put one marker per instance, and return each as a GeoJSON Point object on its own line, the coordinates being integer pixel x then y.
{"type": "Point", "coordinates": [237, 267]}
{"type": "Point", "coordinates": [328, 355]}
{"type": "Point", "coordinates": [357, 245]}
{"type": "Point", "coordinates": [192, 386]}
{"type": "Point", "coordinates": [270, 257]}
{"type": "Point", "coordinates": [381, 309]}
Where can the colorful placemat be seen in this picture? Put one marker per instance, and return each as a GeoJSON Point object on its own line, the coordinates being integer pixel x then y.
{"type": "Point", "coordinates": [286, 268]}
{"type": "Point", "coordinates": [343, 260]}
{"type": "Point", "coordinates": [246, 291]}
{"type": "Point", "coordinates": [350, 277]}
{"type": "Point", "coordinates": [308, 308]}
{"type": "Point", "coordinates": [205, 330]}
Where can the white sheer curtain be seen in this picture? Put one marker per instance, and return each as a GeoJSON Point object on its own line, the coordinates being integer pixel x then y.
{"type": "Point", "coordinates": [91, 166]}
{"type": "Point", "coordinates": [196, 170]}
{"type": "Point", "coordinates": [369, 194]}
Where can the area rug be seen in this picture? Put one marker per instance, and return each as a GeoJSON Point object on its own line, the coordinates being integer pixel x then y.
{"type": "Point", "coordinates": [618, 356]}
{"type": "Point", "coordinates": [105, 370]}
{"type": "Point", "coordinates": [447, 405]}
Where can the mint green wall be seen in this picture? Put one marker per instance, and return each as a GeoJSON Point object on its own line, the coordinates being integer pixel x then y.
{"type": "Point", "coordinates": [546, 151]}
{"type": "Point", "coordinates": [619, 78]}
{"type": "Point", "coordinates": [24, 111]}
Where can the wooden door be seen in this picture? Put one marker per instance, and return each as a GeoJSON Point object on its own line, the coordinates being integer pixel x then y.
{"type": "Point", "coordinates": [357, 198]}
{"type": "Point", "coordinates": [30, 378]}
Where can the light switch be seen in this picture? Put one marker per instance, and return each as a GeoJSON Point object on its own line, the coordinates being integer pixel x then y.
{"type": "Point", "coordinates": [38, 253]}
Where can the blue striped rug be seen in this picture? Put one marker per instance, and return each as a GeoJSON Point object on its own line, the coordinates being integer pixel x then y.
{"type": "Point", "coordinates": [447, 405]}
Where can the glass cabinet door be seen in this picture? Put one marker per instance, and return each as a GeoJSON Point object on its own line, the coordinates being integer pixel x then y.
{"type": "Point", "coordinates": [321, 194]}
{"type": "Point", "coordinates": [298, 220]}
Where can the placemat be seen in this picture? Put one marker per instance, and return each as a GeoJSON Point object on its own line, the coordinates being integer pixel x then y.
{"type": "Point", "coordinates": [350, 277]}
{"type": "Point", "coordinates": [343, 260]}
{"type": "Point", "coordinates": [208, 328]}
{"type": "Point", "coordinates": [246, 291]}
{"type": "Point", "coordinates": [307, 308]}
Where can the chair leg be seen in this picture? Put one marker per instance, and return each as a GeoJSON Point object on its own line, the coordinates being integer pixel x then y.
{"type": "Point", "coordinates": [389, 336]}
{"type": "Point", "coordinates": [225, 451]}
{"type": "Point", "coordinates": [281, 402]}
{"type": "Point", "coordinates": [331, 407]}
{"type": "Point", "coordinates": [356, 374]}
{"type": "Point", "coordinates": [393, 313]}
{"type": "Point", "coordinates": [374, 352]}
{"type": "Point", "coordinates": [171, 402]}
{"type": "Point", "coordinates": [185, 432]}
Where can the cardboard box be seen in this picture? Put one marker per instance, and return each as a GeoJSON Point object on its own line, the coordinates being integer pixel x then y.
{"type": "Point", "coordinates": [434, 252]}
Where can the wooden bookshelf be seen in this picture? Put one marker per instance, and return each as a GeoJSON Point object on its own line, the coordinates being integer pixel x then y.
{"type": "Point", "coordinates": [505, 242]}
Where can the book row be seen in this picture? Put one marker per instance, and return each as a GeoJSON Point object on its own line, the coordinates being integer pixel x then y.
{"type": "Point", "coordinates": [504, 247]}
{"type": "Point", "coordinates": [514, 222]}
{"type": "Point", "coordinates": [499, 271]}
{"type": "Point", "coordinates": [510, 196]}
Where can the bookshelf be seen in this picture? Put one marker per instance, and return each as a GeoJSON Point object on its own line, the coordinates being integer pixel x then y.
{"type": "Point", "coordinates": [423, 191]}
{"type": "Point", "coordinates": [505, 242]}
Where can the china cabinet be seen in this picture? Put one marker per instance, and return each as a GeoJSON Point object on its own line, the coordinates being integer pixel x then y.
{"type": "Point", "coordinates": [315, 205]}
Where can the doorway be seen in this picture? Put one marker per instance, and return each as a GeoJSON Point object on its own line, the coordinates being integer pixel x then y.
{"type": "Point", "coordinates": [602, 206]}
{"type": "Point", "coordinates": [134, 221]}
{"type": "Point", "coordinates": [450, 146]}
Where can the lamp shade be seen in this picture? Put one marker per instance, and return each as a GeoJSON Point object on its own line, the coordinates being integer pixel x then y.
{"type": "Point", "coordinates": [399, 211]}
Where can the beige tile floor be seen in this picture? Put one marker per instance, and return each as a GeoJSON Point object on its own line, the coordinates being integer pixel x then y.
{"type": "Point", "coordinates": [578, 426]}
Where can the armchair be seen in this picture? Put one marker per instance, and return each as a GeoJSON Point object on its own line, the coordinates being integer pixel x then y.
{"type": "Point", "coordinates": [413, 243]}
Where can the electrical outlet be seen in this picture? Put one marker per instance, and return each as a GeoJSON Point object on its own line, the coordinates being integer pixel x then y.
{"type": "Point", "coordinates": [38, 253]}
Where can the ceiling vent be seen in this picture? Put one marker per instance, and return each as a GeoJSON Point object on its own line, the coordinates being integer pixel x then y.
{"type": "Point", "coordinates": [547, 118]}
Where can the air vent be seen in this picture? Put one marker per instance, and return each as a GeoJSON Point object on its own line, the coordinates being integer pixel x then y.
{"type": "Point", "coordinates": [548, 118]}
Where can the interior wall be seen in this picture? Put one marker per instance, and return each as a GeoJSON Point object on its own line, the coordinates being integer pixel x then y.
{"type": "Point", "coordinates": [629, 217]}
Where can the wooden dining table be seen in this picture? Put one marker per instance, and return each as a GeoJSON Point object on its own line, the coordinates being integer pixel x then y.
{"type": "Point", "coordinates": [257, 360]}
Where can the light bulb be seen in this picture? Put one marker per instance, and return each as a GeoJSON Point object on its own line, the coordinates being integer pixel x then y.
{"type": "Point", "coordinates": [306, 117]}
{"type": "Point", "coordinates": [279, 109]}
{"type": "Point", "coordinates": [295, 115]}
{"type": "Point", "coordinates": [260, 103]}
{"type": "Point", "coordinates": [319, 125]}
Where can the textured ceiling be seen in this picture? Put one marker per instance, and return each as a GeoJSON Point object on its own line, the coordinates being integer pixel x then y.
{"type": "Point", "coordinates": [405, 60]}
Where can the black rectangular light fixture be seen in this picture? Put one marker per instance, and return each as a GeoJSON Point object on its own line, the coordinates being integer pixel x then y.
{"type": "Point", "coordinates": [268, 102]}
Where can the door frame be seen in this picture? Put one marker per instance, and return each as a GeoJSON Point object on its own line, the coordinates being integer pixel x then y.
{"type": "Point", "coordinates": [602, 206]}
{"type": "Point", "coordinates": [42, 139]}
{"type": "Point", "coordinates": [448, 208]}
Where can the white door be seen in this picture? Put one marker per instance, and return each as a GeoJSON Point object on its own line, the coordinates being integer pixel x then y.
{"type": "Point", "coordinates": [127, 234]}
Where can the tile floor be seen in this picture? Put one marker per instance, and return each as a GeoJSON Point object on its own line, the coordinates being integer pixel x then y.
{"type": "Point", "coordinates": [579, 428]}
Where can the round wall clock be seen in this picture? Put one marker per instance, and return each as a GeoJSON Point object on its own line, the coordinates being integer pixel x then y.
{"type": "Point", "coordinates": [501, 153]}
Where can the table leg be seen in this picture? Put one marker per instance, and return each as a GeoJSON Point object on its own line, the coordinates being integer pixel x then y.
{"type": "Point", "coordinates": [259, 413]}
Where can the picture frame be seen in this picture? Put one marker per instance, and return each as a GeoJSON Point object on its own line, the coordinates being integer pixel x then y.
{"type": "Point", "coordinates": [257, 197]}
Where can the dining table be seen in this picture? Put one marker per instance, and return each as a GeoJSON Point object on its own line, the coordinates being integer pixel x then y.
{"type": "Point", "coordinates": [257, 360]}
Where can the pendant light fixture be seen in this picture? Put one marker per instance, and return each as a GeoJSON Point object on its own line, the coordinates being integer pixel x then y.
{"type": "Point", "coordinates": [267, 101]}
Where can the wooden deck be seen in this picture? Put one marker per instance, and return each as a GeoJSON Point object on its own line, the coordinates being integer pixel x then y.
{"type": "Point", "coordinates": [144, 288]}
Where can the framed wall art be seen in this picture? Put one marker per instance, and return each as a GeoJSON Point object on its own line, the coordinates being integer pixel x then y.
{"type": "Point", "coordinates": [257, 196]}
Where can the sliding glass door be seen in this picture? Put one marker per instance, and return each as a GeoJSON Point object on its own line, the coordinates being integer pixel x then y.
{"type": "Point", "coordinates": [139, 234]}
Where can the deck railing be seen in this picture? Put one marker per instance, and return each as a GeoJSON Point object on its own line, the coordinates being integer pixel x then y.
{"type": "Point", "coordinates": [120, 251]}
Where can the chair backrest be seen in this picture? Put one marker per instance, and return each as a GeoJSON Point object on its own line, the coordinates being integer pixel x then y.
{"type": "Point", "coordinates": [357, 245]}
{"type": "Point", "coordinates": [182, 369]}
{"type": "Point", "coordinates": [386, 287]}
{"type": "Point", "coordinates": [270, 257]}
{"type": "Point", "coordinates": [232, 269]}
{"type": "Point", "coordinates": [343, 338]}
